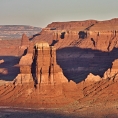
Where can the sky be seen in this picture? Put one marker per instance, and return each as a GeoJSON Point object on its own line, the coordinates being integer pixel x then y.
{"type": "Point", "coordinates": [40, 13]}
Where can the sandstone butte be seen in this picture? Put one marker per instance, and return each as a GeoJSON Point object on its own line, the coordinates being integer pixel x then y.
{"type": "Point", "coordinates": [68, 63]}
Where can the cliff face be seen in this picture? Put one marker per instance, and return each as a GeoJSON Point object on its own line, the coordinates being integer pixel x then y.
{"type": "Point", "coordinates": [85, 52]}
{"type": "Point", "coordinates": [101, 90]}
{"type": "Point", "coordinates": [47, 70]}
{"type": "Point", "coordinates": [40, 72]}
{"type": "Point", "coordinates": [41, 83]}
{"type": "Point", "coordinates": [112, 73]}
{"type": "Point", "coordinates": [88, 46]}
{"type": "Point", "coordinates": [40, 65]}
{"type": "Point", "coordinates": [97, 35]}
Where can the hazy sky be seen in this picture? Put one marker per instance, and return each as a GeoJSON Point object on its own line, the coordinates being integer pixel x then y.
{"type": "Point", "coordinates": [42, 12]}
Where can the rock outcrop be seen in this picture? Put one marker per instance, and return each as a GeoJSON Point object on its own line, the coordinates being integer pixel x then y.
{"type": "Point", "coordinates": [112, 73]}
{"type": "Point", "coordinates": [92, 78]}
{"type": "Point", "coordinates": [25, 75]}
{"type": "Point", "coordinates": [85, 52]}
{"type": "Point", "coordinates": [97, 35]}
{"type": "Point", "coordinates": [40, 65]}
{"type": "Point", "coordinates": [40, 78]}
{"type": "Point", "coordinates": [24, 41]}
{"type": "Point", "coordinates": [84, 44]}
{"type": "Point", "coordinates": [47, 70]}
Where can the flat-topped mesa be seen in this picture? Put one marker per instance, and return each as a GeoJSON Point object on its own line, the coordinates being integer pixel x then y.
{"type": "Point", "coordinates": [47, 70]}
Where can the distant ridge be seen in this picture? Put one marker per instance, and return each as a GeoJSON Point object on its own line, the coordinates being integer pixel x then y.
{"type": "Point", "coordinates": [82, 25]}
{"type": "Point", "coordinates": [16, 31]}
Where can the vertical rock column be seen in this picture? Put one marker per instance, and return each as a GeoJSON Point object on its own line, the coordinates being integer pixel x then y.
{"type": "Point", "coordinates": [47, 70]}
{"type": "Point", "coordinates": [25, 40]}
{"type": "Point", "coordinates": [42, 62]}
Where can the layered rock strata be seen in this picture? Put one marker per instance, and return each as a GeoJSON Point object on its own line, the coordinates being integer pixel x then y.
{"type": "Point", "coordinates": [93, 91]}
{"type": "Point", "coordinates": [81, 50]}
{"type": "Point", "coordinates": [88, 46]}
{"type": "Point", "coordinates": [40, 78]}
{"type": "Point", "coordinates": [97, 35]}
{"type": "Point", "coordinates": [40, 65]}
{"type": "Point", "coordinates": [47, 70]}
{"type": "Point", "coordinates": [56, 91]}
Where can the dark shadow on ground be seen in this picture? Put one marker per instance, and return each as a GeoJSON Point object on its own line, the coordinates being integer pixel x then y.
{"type": "Point", "coordinates": [20, 113]}
{"type": "Point", "coordinates": [9, 65]}
{"type": "Point", "coordinates": [78, 63]}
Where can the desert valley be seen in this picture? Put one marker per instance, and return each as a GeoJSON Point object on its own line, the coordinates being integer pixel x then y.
{"type": "Point", "coordinates": [67, 67]}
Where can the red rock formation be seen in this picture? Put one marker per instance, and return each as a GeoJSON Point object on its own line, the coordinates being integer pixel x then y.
{"type": "Point", "coordinates": [72, 25]}
{"type": "Point", "coordinates": [85, 93]}
{"type": "Point", "coordinates": [41, 82]}
{"type": "Point", "coordinates": [25, 75]}
{"type": "Point", "coordinates": [112, 73]}
{"type": "Point", "coordinates": [101, 35]}
{"type": "Point", "coordinates": [93, 91]}
{"type": "Point", "coordinates": [47, 70]}
{"type": "Point", "coordinates": [97, 36]}
{"type": "Point", "coordinates": [25, 40]}
{"type": "Point", "coordinates": [43, 77]}
{"type": "Point", "coordinates": [92, 78]}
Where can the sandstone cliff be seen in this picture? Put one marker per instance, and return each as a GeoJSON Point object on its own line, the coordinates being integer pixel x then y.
{"type": "Point", "coordinates": [40, 79]}
{"type": "Point", "coordinates": [85, 52]}
{"type": "Point", "coordinates": [97, 35]}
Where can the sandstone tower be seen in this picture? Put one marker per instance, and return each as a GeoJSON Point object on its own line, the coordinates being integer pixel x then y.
{"type": "Point", "coordinates": [47, 70]}
{"type": "Point", "coordinates": [40, 66]}
{"type": "Point", "coordinates": [25, 40]}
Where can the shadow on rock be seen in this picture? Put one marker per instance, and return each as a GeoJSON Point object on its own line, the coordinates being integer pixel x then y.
{"type": "Point", "coordinates": [78, 63]}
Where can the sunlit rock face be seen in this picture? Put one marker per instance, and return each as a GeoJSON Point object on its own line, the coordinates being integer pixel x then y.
{"type": "Point", "coordinates": [84, 53]}
{"type": "Point", "coordinates": [112, 73]}
{"type": "Point", "coordinates": [40, 78]}
{"type": "Point", "coordinates": [47, 70]}
{"type": "Point", "coordinates": [40, 66]}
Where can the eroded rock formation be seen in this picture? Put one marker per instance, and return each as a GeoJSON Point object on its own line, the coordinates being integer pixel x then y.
{"type": "Point", "coordinates": [97, 35]}
{"type": "Point", "coordinates": [85, 52]}
{"type": "Point", "coordinates": [47, 70]}
{"type": "Point", "coordinates": [41, 77]}
{"type": "Point", "coordinates": [112, 73]}
{"type": "Point", "coordinates": [40, 65]}
{"type": "Point", "coordinates": [25, 75]}
{"type": "Point", "coordinates": [25, 40]}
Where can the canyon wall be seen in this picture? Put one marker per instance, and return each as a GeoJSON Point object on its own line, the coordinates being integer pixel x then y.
{"type": "Point", "coordinates": [51, 88]}
{"type": "Point", "coordinates": [83, 47]}
{"type": "Point", "coordinates": [40, 77]}
{"type": "Point", "coordinates": [80, 70]}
